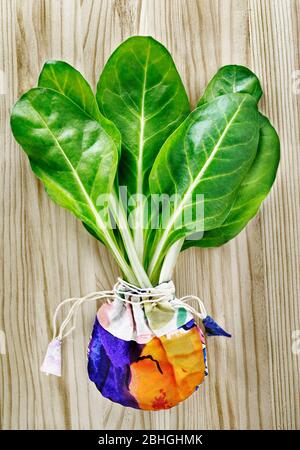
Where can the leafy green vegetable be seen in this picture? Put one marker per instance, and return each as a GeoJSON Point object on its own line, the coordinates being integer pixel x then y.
{"type": "Point", "coordinates": [141, 91]}
{"type": "Point", "coordinates": [232, 79]}
{"type": "Point", "coordinates": [138, 132]}
{"type": "Point", "coordinates": [62, 77]}
{"type": "Point", "coordinates": [261, 175]}
{"type": "Point", "coordinates": [209, 154]}
{"type": "Point", "coordinates": [65, 79]}
{"type": "Point", "coordinates": [252, 192]}
{"type": "Point", "coordinates": [71, 154]}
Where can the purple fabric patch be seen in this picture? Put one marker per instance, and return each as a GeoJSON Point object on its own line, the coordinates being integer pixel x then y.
{"type": "Point", "coordinates": [109, 360]}
{"type": "Point", "coordinates": [189, 325]}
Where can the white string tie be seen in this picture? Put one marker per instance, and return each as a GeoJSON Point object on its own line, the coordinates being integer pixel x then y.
{"type": "Point", "coordinates": [123, 291]}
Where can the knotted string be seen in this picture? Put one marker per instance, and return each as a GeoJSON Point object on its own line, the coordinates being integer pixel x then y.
{"type": "Point", "coordinates": [127, 293]}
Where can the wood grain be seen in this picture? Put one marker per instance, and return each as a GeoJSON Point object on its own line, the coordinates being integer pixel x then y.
{"type": "Point", "coordinates": [250, 285]}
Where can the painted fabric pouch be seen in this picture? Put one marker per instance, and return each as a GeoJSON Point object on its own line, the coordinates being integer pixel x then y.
{"type": "Point", "coordinates": [108, 157]}
{"type": "Point", "coordinates": [149, 356]}
{"type": "Point", "coordinates": [146, 350]}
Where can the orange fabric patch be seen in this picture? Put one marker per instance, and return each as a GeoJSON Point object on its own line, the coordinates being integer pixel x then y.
{"type": "Point", "coordinates": [168, 370]}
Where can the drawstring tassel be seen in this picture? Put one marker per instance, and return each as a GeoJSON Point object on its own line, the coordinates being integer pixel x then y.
{"type": "Point", "coordinates": [123, 291]}
{"type": "Point", "coordinates": [210, 325]}
{"type": "Point", "coordinates": [213, 329]}
{"type": "Point", "coordinates": [52, 361]}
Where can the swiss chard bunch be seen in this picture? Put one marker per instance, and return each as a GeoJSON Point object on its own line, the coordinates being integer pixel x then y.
{"type": "Point", "coordinates": [145, 175]}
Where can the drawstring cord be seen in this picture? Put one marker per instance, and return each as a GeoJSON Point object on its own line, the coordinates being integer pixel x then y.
{"type": "Point", "coordinates": [72, 314]}
{"type": "Point", "coordinates": [182, 304]}
{"type": "Point", "coordinates": [122, 290]}
{"type": "Point", "coordinates": [127, 293]}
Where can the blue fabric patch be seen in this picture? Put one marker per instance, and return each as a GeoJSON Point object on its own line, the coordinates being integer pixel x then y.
{"type": "Point", "coordinates": [213, 329]}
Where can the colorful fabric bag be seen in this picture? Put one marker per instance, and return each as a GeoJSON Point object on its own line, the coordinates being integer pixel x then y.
{"type": "Point", "coordinates": [146, 350]}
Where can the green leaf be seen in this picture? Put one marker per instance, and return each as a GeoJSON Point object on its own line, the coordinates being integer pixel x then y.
{"type": "Point", "coordinates": [263, 170]}
{"type": "Point", "coordinates": [69, 82]}
{"type": "Point", "coordinates": [68, 151]}
{"type": "Point", "coordinates": [62, 77]}
{"type": "Point", "coordinates": [65, 79]}
{"type": "Point", "coordinates": [72, 155]}
{"type": "Point", "coordinates": [141, 91]}
{"type": "Point", "coordinates": [209, 154]}
{"type": "Point", "coordinates": [230, 79]}
{"type": "Point", "coordinates": [252, 192]}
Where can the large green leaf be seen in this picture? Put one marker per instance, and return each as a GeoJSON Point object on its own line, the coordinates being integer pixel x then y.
{"type": "Point", "coordinates": [252, 192]}
{"type": "Point", "coordinates": [69, 82]}
{"type": "Point", "coordinates": [261, 175]}
{"type": "Point", "coordinates": [64, 78]}
{"type": "Point", "coordinates": [71, 154]}
{"type": "Point", "coordinates": [68, 151]}
{"type": "Point", "coordinates": [141, 91]}
{"type": "Point", "coordinates": [229, 79]}
{"type": "Point", "coordinates": [209, 154]}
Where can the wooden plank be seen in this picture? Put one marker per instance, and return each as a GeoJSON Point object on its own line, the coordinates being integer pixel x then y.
{"type": "Point", "coordinates": [274, 28]}
{"type": "Point", "coordinates": [249, 285]}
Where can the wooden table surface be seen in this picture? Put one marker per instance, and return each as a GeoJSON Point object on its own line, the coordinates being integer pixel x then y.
{"type": "Point", "coordinates": [250, 285]}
